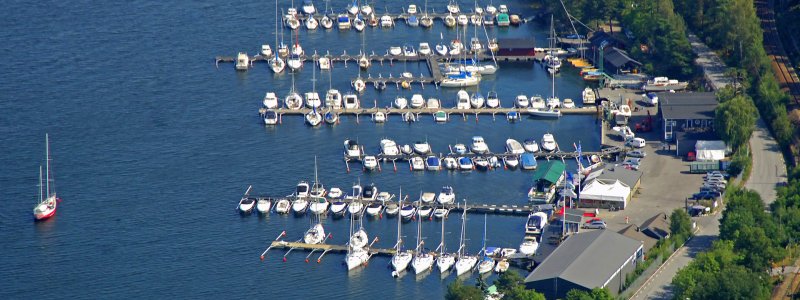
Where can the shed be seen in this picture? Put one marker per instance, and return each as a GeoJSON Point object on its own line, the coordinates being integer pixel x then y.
{"type": "Point", "coordinates": [710, 150]}
{"type": "Point", "coordinates": [619, 61]}
{"type": "Point", "coordinates": [516, 47]}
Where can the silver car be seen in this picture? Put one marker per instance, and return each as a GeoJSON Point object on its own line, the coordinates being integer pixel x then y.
{"type": "Point", "coordinates": [596, 224]}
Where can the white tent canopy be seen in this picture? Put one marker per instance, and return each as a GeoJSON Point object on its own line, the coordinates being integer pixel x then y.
{"type": "Point", "coordinates": [602, 190]}
{"type": "Point", "coordinates": [710, 150]}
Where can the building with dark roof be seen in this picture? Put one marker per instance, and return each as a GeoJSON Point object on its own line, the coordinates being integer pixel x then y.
{"type": "Point", "coordinates": [548, 175]}
{"type": "Point", "coordinates": [516, 47]}
{"type": "Point", "coordinates": [595, 259]}
{"type": "Point", "coordinates": [618, 61]}
{"type": "Point", "coordinates": [650, 231]}
{"type": "Point", "coordinates": [687, 117]}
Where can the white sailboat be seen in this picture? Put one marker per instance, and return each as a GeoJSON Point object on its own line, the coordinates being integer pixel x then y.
{"type": "Point", "coordinates": [423, 261]}
{"type": "Point", "coordinates": [401, 258]}
{"type": "Point", "coordinates": [293, 100]}
{"type": "Point", "coordinates": [445, 260]}
{"type": "Point", "coordinates": [487, 264]}
{"type": "Point", "coordinates": [465, 262]}
{"type": "Point", "coordinates": [356, 255]}
{"type": "Point", "coordinates": [315, 234]}
{"type": "Point", "coordinates": [312, 98]}
{"type": "Point", "coordinates": [319, 204]}
{"type": "Point", "coordinates": [48, 202]}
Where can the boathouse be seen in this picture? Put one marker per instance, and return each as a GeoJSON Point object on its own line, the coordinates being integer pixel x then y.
{"type": "Point", "coordinates": [687, 117]}
{"type": "Point", "coordinates": [516, 47]}
{"type": "Point", "coordinates": [617, 61]}
{"type": "Point", "coordinates": [594, 259]}
{"type": "Point", "coordinates": [547, 177]}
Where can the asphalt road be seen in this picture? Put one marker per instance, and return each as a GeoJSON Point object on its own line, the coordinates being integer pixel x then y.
{"type": "Point", "coordinates": [769, 168]}
{"type": "Point", "coordinates": [660, 284]}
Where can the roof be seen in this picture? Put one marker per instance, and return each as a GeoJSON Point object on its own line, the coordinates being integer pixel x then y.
{"type": "Point", "coordinates": [710, 145]}
{"type": "Point", "coordinates": [574, 219]}
{"type": "Point", "coordinates": [600, 189]}
{"type": "Point", "coordinates": [587, 259]}
{"type": "Point", "coordinates": [618, 57]}
{"type": "Point", "coordinates": [599, 38]}
{"type": "Point", "coordinates": [612, 172]}
{"type": "Point", "coordinates": [550, 171]}
{"type": "Point", "coordinates": [516, 43]}
{"type": "Point", "coordinates": [632, 231]}
{"type": "Point", "coordinates": [657, 226]}
{"type": "Point", "coordinates": [688, 106]}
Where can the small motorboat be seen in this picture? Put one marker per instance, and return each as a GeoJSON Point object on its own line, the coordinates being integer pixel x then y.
{"type": "Point", "coordinates": [503, 9]}
{"type": "Point", "coordinates": [374, 208]}
{"type": "Point", "coordinates": [318, 190]}
{"type": "Point", "coordinates": [379, 117]}
{"type": "Point", "coordinates": [302, 190]}
{"type": "Point", "coordinates": [475, 19]}
{"type": "Point", "coordinates": [425, 211]}
{"type": "Point", "coordinates": [292, 22]}
{"type": "Point", "coordinates": [384, 196]}
{"type": "Point", "coordinates": [356, 208]}
{"type": "Point", "coordinates": [530, 145]}
{"type": "Point", "coordinates": [488, 20]}
{"type": "Point", "coordinates": [462, 100]}
{"type": "Point", "coordinates": [521, 101]}
{"type": "Point", "coordinates": [549, 142]}
{"type": "Point", "coordinates": [537, 102]}
{"type": "Point", "coordinates": [417, 164]}
{"type": "Point", "coordinates": [441, 212]}
{"type": "Point", "coordinates": [433, 163]}
{"type": "Point", "coordinates": [270, 100]}
{"type": "Point", "coordinates": [406, 149]}
{"type": "Point", "coordinates": [312, 23]}
{"type": "Point", "coordinates": [409, 51]}
{"type": "Point", "coordinates": [387, 21]}
{"type": "Point", "coordinates": [462, 20]}
{"type": "Point", "coordinates": [370, 193]}
{"type": "Point", "coordinates": [271, 117]}
{"type": "Point", "coordinates": [502, 266]}
{"type": "Point", "coordinates": [266, 50]}
{"type": "Point", "coordinates": [441, 49]}
{"type": "Point", "coordinates": [529, 247]}
{"type": "Point", "coordinates": [338, 208]}
{"type": "Point", "coordinates": [494, 162]}
{"type": "Point", "coordinates": [313, 100]}
{"type": "Point", "coordinates": [479, 145]}
{"type": "Point", "coordinates": [422, 147]}
{"type": "Point", "coordinates": [490, 9]}
{"type": "Point", "coordinates": [242, 61]}
{"type": "Point", "coordinates": [528, 161]}
{"type": "Point", "coordinates": [481, 163]}
{"type": "Point", "coordinates": [568, 103]}
{"type": "Point", "coordinates": [308, 7]}
{"type": "Point", "coordinates": [553, 102]}
{"type": "Point", "coordinates": [389, 147]}
{"type": "Point", "coordinates": [427, 197]}
{"type": "Point", "coordinates": [326, 22]}
{"type": "Point", "coordinates": [392, 208]}
{"type": "Point", "coordinates": [492, 101]}
{"type": "Point", "coordinates": [426, 21]}
{"type": "Point", "coordinates": [417, 101]}
{"type": "Point", "coordinates": [544, 112]}
{"type": "Point", "coordinates": [453, 8]}
{"type": "Point", "coordinates": [412, 9]}
{"type": "Point", "coordinates": [370, 162]}
{"type": "Point", "coordinates": [447, 195]}
{"type": "Point", "coordinates": [400, 102]}
{"type": "Point", "coordinates": [408, 211]}
{"type": "Point", "coordinates": [331, 117]}
{"type": "Point", "coordinates": [409, 117]}
{"type": "Point", "coordinates": [514, 147]}
{"type": "Point", "coordinates": [476, 100]}
{"type": "Point", "coordinates": [343, 21]}
{"type": "Point", "coordinates": [396, 51]}
{"type": "Point", "coordinates": [300, 205]}
{"type": "Point", "coordinates": [503, 20]}
{"type": "Point", "coordinates": [512, 116]}
{"type": "Point", "coordinates": [364, 62]}
{"type": "Point", "coordinates": [246, 205]}
{"type": "Point", "coordinates": [412, 21]}
{"type": "Point", "coordinates": [333, 98]}
{"type": "Point", "coordinates": [511, 162]}
{"type": "Point", "coordinates": [475, 45]}
{"type": "Point", "coordinates": [351, 101]}
{"type": "Point", "coordinates": [319, 205]}
{"type": "Point", "coordinates": [295, 62]}
{"type": "Point", "coordinates": [478, 9]}
{"type": "Point", "coordinates": [366, 9]}
{"type": "Point", "coordinates": [515, 20]}
{"type": "Point", "coordinates": [486, 265]}
{"type": "Point", "coordinates": [335, 193]}
{"type": "Point", "coordinates": [283, 206]}
{"type": "Point", "coordinates": [433, 103]}
{"type": "Point", "coordinates": [424, 49]}
{"type": "Point", "coordinates": [450, 163]}
{"type": "Point", "coordinates": [352, 150]}
{"type": "Point", "coordinates": [440, 116]}
{"type": "Point", "coordinates": [313, 118]}
{"type": "Point", "coordinates": [263, 205]}
{"type": "Point", "coordinates": [460, 149]}
{"type": "Point", "coordinates": [450, 21]}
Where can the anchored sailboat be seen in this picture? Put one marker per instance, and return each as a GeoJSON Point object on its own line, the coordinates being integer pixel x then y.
{"type": "Point", "coordinates": [48, 202]}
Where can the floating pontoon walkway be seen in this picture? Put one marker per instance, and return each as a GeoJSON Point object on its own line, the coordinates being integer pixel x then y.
{"type": "Point", "coordinates": [325, 247]}
{"type": "Point", "coordinates": [430, 111]}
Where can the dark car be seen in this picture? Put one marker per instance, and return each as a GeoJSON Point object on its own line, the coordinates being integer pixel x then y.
{"type": "Point", "coordinates": [705, 195]}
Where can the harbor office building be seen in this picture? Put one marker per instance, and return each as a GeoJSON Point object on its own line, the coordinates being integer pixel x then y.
{"type": "Point", "coordinates": [687, 117]}
{"type": "Point", "coordinates": [595, 259]}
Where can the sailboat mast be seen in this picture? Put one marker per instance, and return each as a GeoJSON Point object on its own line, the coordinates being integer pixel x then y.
{"type": "Point", "coordinates": [441, 245]}
{"type": "Point", "coordinates": [419, 230]}
{"type": "Point", "coordinates": [41, 195]}
{"type": "Point", "coordinates": [47, 150]}
{"type": "Point", "coordinates": [484, 235]}
{"type": "Point", "coordinates": [276, 27]}
{"type": "Point", "coordinates": [399, 229]}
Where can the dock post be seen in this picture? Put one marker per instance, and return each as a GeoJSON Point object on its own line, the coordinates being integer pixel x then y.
{"type": "Point", "coordinates": [280, 118]}
{"type": "Point", "coordinates": [394, 163]}
{"type": "Point", "coordinates": [357, 120]}
{"type": "Point", "coordinates": [476, 117]}
{"type": "Point", "coordinates": [283, 233]}
{"type": "Point", "coordinates": [346, 163]}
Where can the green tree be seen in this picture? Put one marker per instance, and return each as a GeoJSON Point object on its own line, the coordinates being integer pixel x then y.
{"type": "Point", "coordinates": [594, 294]}
{"type": "Point", "coordinates": [457, 290]}
{"type": "Point", "coordinates": [520, 293]}
{"type": "Point", "coordinates": [508, 280]}
{"type": "Point", "coordinates": [735, 120]}
{"type": "Point", "coordinates": [680, 224]}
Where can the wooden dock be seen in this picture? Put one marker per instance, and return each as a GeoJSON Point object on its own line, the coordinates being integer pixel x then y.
{"type": "Point", "coordinates": [388, 58]}
{"type": "Point", "coordinates": [397, 17]}
{"type": "Point", "coordinates": [428, 111]}
{"type": "Point", "coordinates": [325, 247]}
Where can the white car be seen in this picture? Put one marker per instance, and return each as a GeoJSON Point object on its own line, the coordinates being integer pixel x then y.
{"type": "Point", "coordinates": [635, 142]}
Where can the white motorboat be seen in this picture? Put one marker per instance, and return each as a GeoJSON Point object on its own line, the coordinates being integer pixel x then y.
{"type": "Point", "coordinates": [466, 263]}
{"type": "Point", "coordinates": [370, 162]}
{"type": "Point", "coordinates": [417, 164]}
{"type": "Point", "coordinates": [530, 145]}
{"type": "Point", "coordinates": [427, 197]}
{"type": "Point", "coordinates": [446, 196]}
{"type": "Point", "coordinates": [478, 9]}
{"type": "Point", "coordinates": [422, 147]}
{"type": "Point", "coordinates": [425, 211]}
{"type": "Point", "coordinates": [462, 20]}
{"type": "Point", "coordinates": [490, 9]}
{"type": "Point", "coordinates": [536, 223]}
{"type": "Point", "coordinates": [511, 162]}
{"type": "Point", "coordinates": [441, 49]}
{"type": "Point", "coordinates": [352, 150]}
{"type": "Point", "coordinates": [479, 145]}
{"type": "Point", "coordinates": [396, 51]}
{"type": "Point", "coordinates": [409, 51]}
{"type": "Point", "coordinates": [312, 23]}
{"type": "Point", "coordinates": [263, 205]}
{"type": "Point", "coordinates": [662, 84]}
{"type": "Point", "coordinates": [359, 24]}
{"type": "Point", "coordinates": [313, 100]}
{"type": "Point", "coordinates": [477, 100]}
{"type": "Point", "coordinates": [242, 61]}
{"type": "Point", "coordinates": [568, 103]}
{"type": "Point", "coordinates": [475, 19]}
{"type": "Point", "coordinates": [283, 206]}
{"type": "Point", "coordinates": [537, 102]}
{"type": "Point", "coordinates": [503, 9]}
{"type": "Point", "coordinates": [412, 21]}
{"type": "Point", "coordinates": [294, 62]}
{"type": "Point", "coordinates": [417, 101]}
{"type": "Point", "coordinates": [475, 45]}
{"type": "Point", "coordinates": [553, 63]}
{"type": "Point", "coordinates": [553, 102]}
{"type": "Point", "coordinates": [400, 102]}
{"type": "Point", "coordinates": [300, 205]}
{"type": "Point", "coordinates": [529, 247]}
{"type": "Point", "coordinates": [512, 116]}
{"type": "Point", "coordinates": [338, 207]}
{"type": "Point", "coordinates": [412, 9]}
{"type": "Point", "coordinates": [335, 193]}
{"type": "Point", "coordinates": [364, 62]}
{"type": "Point", "coordinates": [424, 49]}
{"type": "Point", "coordinates": [465, 164]}
{"type": "Point", "coordinates": [313, 118]}
{"type": "Point", "coordinates": [315, 234]}
{"type": "Point", "coordinates": [433, 103]}
{"type": "Point", "coordinates": [330, 117]}
{"type": "Point", "coordinates": [379, 117]}
{"type": "Point", "coordinates": [441, 212]}
{"type": "Point", "coordinates": [351, 101]}
{"type": "Point", "coordinates": [384, 196]}
{"type": "Point", "coordinates": [521, 101]}
{"type": "Point", "coordinates": [440, 116]}
{"type": "Point", "coordinates": [389, 147]}
{"type": "Point", "coordinates": [462, 100]}
{"type": "Point", "coordinates": [387, 21]}
{"type": "Point", "coordinates": [246, 204]}
{"type": "Point", "coordinates": [392, 208]}
{"type": "Point", "coordinates": [486, 265]}
{"type": "Point", "coordinates": [549, 142]}
{"type": "Point", "coordinates": [356, 208]}
{"type": "Point", "coordinates": [450, 163]}
{"type": "Point", "coordinates": [514, 147]}
{"type": "Point", "coordinates": [333, 99]}
{"type": "Point", "coordinates": [270, 100]}
{"type": "Point", "coordinates": [406, 149]}
{"type": "Point", "coordinates": [353, 8]}
{"type": "Point", "coordinates": [460, 149]}
{"type": "Point", "coordinates": [326, 22]}
{"type": "Point", "coordinates": [271, 117]}
{"type": "Point", "coordinates": [370, 193]}
{"type": "Point", "coordinates": [366, 9]}
{"type": "Point", "coordinates": [409, 117]}
{"type": "Point", "coordinates": [408, 211]}
{"type": "Point", "coordinates": [302, 190]}
{"type": "Point", "coordinates": [266, 50]}
{"type": "Point", "coordinates": [308, 7]}
{"type": "Point", "coordinates": [545, 112]}
{"type": "Point", "coordinates": [343, 22]}
{"type": "Point", "coordinates": [624, 110]}
{"type": "Point", "coordinates": [588, 96]}
{"type": "Point", "coordinates": [450, 21]}
{"type": "Point", "coordinates": [481, 163]}
{"type": "Point", "coordinates": [492, 101]}
{"type": "Point", "coordinates": [319, 205]}
{"type": "Point", "coordinates": [426, 21]}
{"type": "Point", "coordinates": [452, 7]}
{"type": "Point", "coordinates": [502, 266]}
{"type": "Point", "coordinates": [456, 45]}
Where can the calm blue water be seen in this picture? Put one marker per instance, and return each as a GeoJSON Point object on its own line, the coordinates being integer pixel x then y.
{"type": "Point", "coordinates": [153, 146]}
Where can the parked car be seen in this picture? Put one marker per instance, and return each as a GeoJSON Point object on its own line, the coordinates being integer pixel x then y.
{"type": "Point", "coordinates": [632, 160]}
{"type": "Point", "coordinates": [595, 224]}
{"type": "Point", "coordinates": [636, 153]}
{"type": "Point", "coordinates": [724, 175]}
{"type": "Point", "coordinates": [717, 186]}
{"type": "Point", "coordinates": [635, 143]}
{"type": "Point", "coordinates": [630, 166]}
{"type": "Point", "coordinates": [707, 195]}
{"type": "Point", "coordinates": [712, 189]}
{"type": "Point", "coordinates": [715, 180]}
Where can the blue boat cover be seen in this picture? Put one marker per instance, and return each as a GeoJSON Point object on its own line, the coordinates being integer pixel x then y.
{"type": "Point", "coordinates": [465, 161]}
{"type": "Point", "coordinates": [433, 161]}
{"type": "Point", "coordinates": [344, 19]}
{"type": "Point", "coordinates": [528, 159]}
{"type": "Point", "coordinates": [460, 75]}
